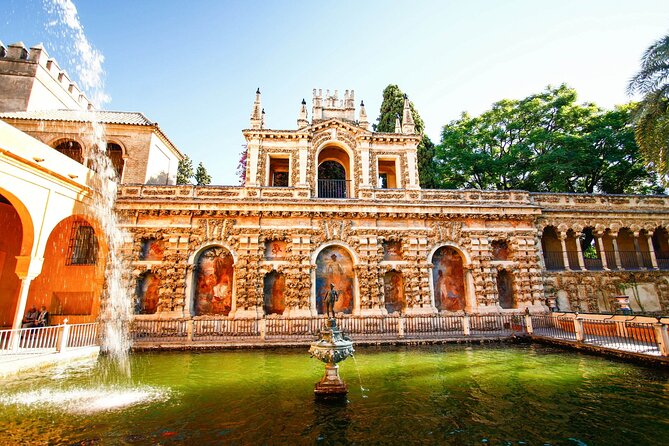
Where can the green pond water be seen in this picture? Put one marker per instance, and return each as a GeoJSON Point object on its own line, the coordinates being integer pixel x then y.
{"type": "Point", "coordinates": [447, 395]}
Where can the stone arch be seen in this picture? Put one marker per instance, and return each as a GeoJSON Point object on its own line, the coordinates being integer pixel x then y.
{"type": "Point", "coordinates": [449, 284]}
{"type": "Point", "coordinates": [393, 291]}
{"type": "Point", "coordinates": [213, 280]}
{"type": "Point", "coordinates": [627, 249]}
{"type": "Point", "coordinates": [552, 248]}
{"type": "Point", "coordinates": [11, 222]}
{"type": "Point", "coordinates": [274, 287]}
{"type": "Point", "coordinates": [27, 226]}
{"type": "Point", "coordinates": [73, 274]}
{"type": "Point", "coordinates": [334, 263]}
{"type": "Point", "coordinates": [660, 240]}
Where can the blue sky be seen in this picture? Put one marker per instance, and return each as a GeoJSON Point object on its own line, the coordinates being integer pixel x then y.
{"type": "Point", "coordinates": [194, 66]}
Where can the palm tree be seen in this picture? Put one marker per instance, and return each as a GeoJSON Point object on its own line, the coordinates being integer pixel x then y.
{"type": "Point", "coordinates": [651, 117]}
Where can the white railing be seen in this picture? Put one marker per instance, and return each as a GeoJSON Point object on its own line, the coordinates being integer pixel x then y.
{"type": "Point", "coordinates": [634, 334]}
{"type": "Point", "coordinates": [57, 338]}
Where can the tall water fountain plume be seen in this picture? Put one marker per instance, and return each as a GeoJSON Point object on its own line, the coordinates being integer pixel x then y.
{"type": "Point", "coordinates": [116, 307]}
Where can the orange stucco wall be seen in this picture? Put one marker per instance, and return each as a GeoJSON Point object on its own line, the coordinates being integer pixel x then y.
{"type": "Point", "coordinates": [68, 291]}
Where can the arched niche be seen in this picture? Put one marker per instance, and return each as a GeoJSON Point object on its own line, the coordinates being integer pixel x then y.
{"type": "Point", "coordinates": [505, 289]}
{"type": "Point", "coordinates": [393, 290]}
{"type": "Point", "coordinates": [274, 287]}
{"type": "Point", "coordinates": [448, 278]}
{"type": "Point", "coordinates": [213, 281]}
{"type": "Point", "coordinates": [147, 292]}
{"type": "Point", "coordinates": [334, 265]}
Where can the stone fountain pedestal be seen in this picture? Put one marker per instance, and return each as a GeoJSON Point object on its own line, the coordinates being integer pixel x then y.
{"type": "Point", "coordinates": [331, 384]}
{"type": "Point", "coordinates": [332, 347]}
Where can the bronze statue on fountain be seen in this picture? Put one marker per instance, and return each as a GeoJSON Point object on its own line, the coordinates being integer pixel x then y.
{"type": "Point", "coordinates": [332, 347]}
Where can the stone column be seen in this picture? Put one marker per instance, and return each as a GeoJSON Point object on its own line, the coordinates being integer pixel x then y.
{"type": "Point", "coordinates": [412, 170]}
{"type": "Point", "coordinates": [581, 262]}
{"type": "Point", "coordinates": [303, 161]}
{"type": "Point", "coordinates": [602, 252]}
{"type": "Point", "coordinates": [637, 249]}
{"type": "Point", "coordinates": [27, 268]}
{"type": "Point", "coordinates": [651, 250]}
{"type": "Point", "coordinates": [252, 162]}
{"type": "Point", "coordinates": [616, 252]}
{"type": "Point", "coordinates": [563, 243]}
{"type": "Point", "coordinates": [364, 163]}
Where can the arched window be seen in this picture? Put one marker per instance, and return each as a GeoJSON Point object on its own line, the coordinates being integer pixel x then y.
{"type": "Point", "coordinates": [83, 246]}
{"type": "Point", "coordinates": [115, 154]}
{"type": "Point", "coordinates": [333, 173]}
{"type": "Point", "coordinates": [71, 149]}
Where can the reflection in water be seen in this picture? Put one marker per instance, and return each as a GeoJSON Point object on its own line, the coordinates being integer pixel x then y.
{"type": "Point", "coordinates": [331, 421]}
{"type": "Point", "coordinates": [449, 395]}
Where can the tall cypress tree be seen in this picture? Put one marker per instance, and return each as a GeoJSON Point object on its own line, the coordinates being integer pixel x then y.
{"type": "Point", "coordinates": [393, 106]}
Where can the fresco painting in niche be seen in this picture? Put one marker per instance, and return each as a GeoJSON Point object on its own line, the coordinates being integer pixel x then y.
{"type": "Point", "coordinates": [275, 249]}
{"type": "Point", "coordinates": [214, 278]}
{"type": "Point", "coordinates": [273, 293]}
{"type": "Point", "coordinates": [152, 250]}
{"type": "Point", "coordinates": [334, 265]}
{"type": "Point", "coordinates": [148, 286]}
{"type": "Point", "coordinates": [392, 250]}
{"type": "Point", "coordinates": [393, 284]}
{"type": "Point", "coordinates": [449, 280]}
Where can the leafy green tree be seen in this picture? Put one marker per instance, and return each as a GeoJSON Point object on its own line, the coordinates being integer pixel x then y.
{"type": "Point", "coordinates": [545, 142]}
{"type": "Point", "coordinates": [202, 178]}
{"type": "Point", "coordinates": [185, 171]}
{"type": "Point", "coordinates": [392, 107]}
{"type": "Point", "coordinates": [651, 118]}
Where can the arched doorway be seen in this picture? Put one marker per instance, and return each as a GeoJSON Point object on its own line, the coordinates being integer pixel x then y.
{"type": "Point", "coordinates": [334, 265]}
{"type": "Point", "coordinates": [274, 286]}
{"type": "Point", "coordinates": [10, 248]}
{"type": "Point", "coordinates": [505, 289]}
{"type": "Point", "coordinates": [448, 278]}
{"type": "Point", "coordinates": [333, 173]}
{"type": "Point", "coordinates": [393, 286]}
{"type": "Point", "coordinates": [214, 271]}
